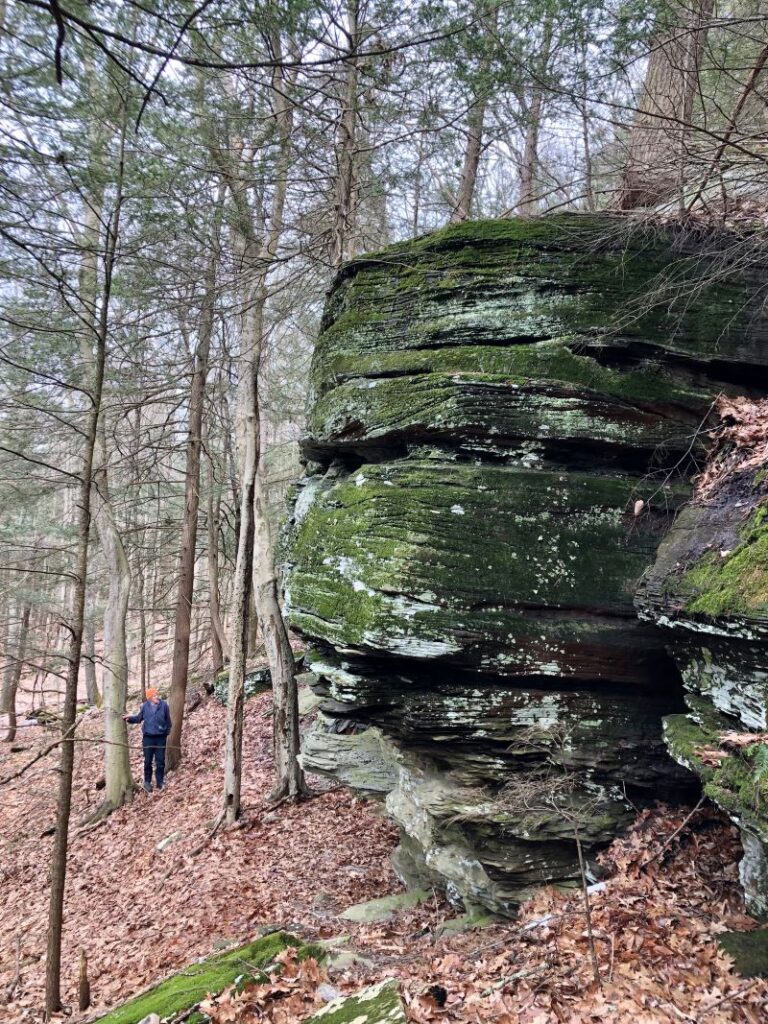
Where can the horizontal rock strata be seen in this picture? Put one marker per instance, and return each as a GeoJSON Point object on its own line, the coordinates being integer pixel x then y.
{"type": "Point", "coordinates": [502, 418]}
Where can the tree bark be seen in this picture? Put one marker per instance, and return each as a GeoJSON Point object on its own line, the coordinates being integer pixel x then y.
{"type": "Point", "coordinates": [254, 522]}
{"type": "Point", "coordinates": [9, 667]}
{"type": "Point", "coordinates": [185, 591]}
{"type": "Point", "coordinates": [472, 153]}
{"type": "Point", "coordinates": [91, 687]}
{"type": "Point", "coordinates": [528, 201]}
{"type": "Point", "coordinates": [15, 675]}
{"type": "Point", "coordinates": [58, 871]}
{"type": "Point", "coordinates": [345, 197]}
{"type": "Point", "coordinates": [119, 782]}
{"type": "Point", "coordinates": [241, 593]}
{"type": "Point", "coordinates": [219, 647]}
{"type": "Point", "coordinates": [117, 765]}
{"type": "Point", "coordinates": [657, 152]}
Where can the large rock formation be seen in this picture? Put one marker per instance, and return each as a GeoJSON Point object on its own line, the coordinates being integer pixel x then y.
{"type": "Point", "coordinates": [490, 405]}
{"type": "Point", "coordinates": [708, 589]}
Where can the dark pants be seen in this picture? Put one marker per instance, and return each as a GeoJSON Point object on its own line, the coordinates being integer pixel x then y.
{"type": "Point", "coordinates": [154, 748]}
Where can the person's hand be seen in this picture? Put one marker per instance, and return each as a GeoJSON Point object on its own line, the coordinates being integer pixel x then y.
{"type": "Point", "coordinates": [126, 717]}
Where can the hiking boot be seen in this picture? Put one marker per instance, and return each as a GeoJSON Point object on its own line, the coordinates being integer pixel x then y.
{"type": "Point", "coordinates": [147, 787]}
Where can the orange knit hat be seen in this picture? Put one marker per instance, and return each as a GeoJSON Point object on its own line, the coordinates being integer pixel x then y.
{"type": "Point", "coordinates": [152, 693]}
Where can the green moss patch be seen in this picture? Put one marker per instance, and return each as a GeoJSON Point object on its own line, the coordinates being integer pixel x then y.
{"type": "Point", "coordinates": [738, 782]}
{"type": "Point", "coordinates": [377, 1004]}
{"type": "Point", "coordinates": [485, 295]}
{"type": "Point", "coordinates": [736, 583]}
{"type": "Point", "coordinates": [749, 951]}
{"type": "Point", "coordinates": [186, 989]}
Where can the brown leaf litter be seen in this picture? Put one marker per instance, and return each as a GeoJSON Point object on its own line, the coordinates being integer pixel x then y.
{"type": "Point", "coordinates": [140, 914]}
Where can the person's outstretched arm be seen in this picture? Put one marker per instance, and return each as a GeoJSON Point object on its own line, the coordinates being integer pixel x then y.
{"type": "Point", "coordinates": [133, 719]}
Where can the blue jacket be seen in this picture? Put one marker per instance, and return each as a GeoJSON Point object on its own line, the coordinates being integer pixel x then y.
{"type": "Point", "coordinates": [155, 718]}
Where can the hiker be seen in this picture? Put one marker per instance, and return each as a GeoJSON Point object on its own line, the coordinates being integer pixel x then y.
{"type": "Point", "coordinates": [155, 717]}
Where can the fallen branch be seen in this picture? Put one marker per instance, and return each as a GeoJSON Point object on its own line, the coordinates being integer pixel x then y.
{"type": "Point", "coordinates": [677, 832]}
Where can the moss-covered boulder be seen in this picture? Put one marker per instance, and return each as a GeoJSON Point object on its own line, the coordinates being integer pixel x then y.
{"type": "Point", "coordinates": [178, 995]}
{"type": "Point", "coordinates": [502, 418]}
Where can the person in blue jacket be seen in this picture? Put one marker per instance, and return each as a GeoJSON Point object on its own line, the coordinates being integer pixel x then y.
{"type": "Point", "coordinates": [155, 717]}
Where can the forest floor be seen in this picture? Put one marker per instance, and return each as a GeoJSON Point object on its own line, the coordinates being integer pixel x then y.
{"type": "Point", "coordinates": [140, 913]}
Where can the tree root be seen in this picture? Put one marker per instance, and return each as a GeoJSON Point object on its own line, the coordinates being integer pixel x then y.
{"type": "Point", "coordinates": [103, 811]}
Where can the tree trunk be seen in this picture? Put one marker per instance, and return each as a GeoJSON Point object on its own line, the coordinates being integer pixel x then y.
{"type": "Point", "coordinates": [119, 782]}
{"type": "Point", "coordinates": [472, 153]}
{"type": "Point", "coordinates": [185, 591]}
{"type": "Point", "coordinates": [254, 522]}
{"type": "Point", "coordinates": [91, 686]}
{"type": "Point", "coordinates": [15, 676]}
{"type": "Point", "coordinates": [219, 648]}
{"type": "Point", "coordinates": [67, 755]}
{"type": "Point", "coordinates": [117, 764]}
{"type": "Point", "coordinates": [10, 664]}
{"type": "Point", "coordinates": [657, 152]}
{"type": "Point", "coordinates": [528, 201]}
{"type": "Point", "coordinates": [345, 179]}
{"type": "Point", "coordinates": [241, 594]}
{"type": "Point", "coordinates": [289, 778]}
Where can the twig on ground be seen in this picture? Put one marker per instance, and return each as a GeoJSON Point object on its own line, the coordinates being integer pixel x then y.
{"type": "Point", "coordinates": [727, 998]}
{"type": "Point", "coordinates": [677, 832]}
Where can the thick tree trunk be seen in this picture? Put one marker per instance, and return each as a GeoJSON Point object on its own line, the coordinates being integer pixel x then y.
{"type": "Point", "coordinates": [528, 200]}
{"type": "Point", "coordinates": [119, 782]}
{"type": "Point", "coordinates": [185, 591]}
{"type": "Point", "coordinates": [9, 698]}
{"type": "Point", "coordinates": [117, 764]}
{"type": "Point", "coordinates": [657, 152]}
{"type": "Point", "coordinates": [472, 153]}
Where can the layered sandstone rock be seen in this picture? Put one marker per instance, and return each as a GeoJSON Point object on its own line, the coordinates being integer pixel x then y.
{"type": "Point", "coordinates": [490, 404]}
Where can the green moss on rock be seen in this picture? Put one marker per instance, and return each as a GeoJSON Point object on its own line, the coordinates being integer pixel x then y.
{"type": "Point", "coordinates": [377, 1004]}
{"type": "Point", "coordinates": [186, 989]}
{"type": "Point", "coordinates": [431, 558]}
{"type": "Point", "coordinates": [535, 299]}
{"type": "Point", "coordinates": [733, 583]}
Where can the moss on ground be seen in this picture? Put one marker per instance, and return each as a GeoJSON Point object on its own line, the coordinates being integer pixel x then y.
{"type": "Point", "coordinates": [185, 990]}
{"type": "Point", "coordinates": [749, 951]}
{"type": "Point", "coordinates": [736, 583]}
